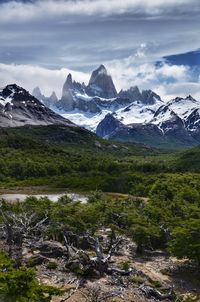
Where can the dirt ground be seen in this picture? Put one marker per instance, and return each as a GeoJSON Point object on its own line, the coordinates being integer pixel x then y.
{"type": "Point", "coordinates": [155, 269]}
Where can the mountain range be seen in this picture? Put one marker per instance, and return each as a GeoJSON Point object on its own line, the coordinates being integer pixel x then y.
{"type": "Point", "coordinates": [87, 105]}
{"type": "Point", "coordinates": [128, 115]}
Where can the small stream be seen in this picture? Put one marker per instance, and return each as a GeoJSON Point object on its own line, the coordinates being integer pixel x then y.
{"type": "Point", "coordinates": [13, 197]}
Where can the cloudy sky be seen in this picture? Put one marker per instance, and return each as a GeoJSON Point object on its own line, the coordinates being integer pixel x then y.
{"type": "Point", "coordinates": [150, 43]}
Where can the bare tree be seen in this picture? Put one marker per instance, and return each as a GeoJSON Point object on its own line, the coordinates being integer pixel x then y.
{"type": "Point", "coordinates": [95, 293]}
{"type": "Point", "coordinates": [100, 262]}
{"type": "Point", "coordinates": [18, 228]}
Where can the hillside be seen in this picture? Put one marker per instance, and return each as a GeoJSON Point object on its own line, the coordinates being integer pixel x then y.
{"type": "Point", "coordinates": [74, 158]}
{"type": "Point", "coordinates": [189, 160]}
{"type": "Point", "coordinates": [129, 234]}
{"type": "Point", "coordinates": [64, 156]}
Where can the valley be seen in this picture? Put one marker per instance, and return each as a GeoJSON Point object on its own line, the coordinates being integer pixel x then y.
{"type": "Point", "coordinates": [140, 238]}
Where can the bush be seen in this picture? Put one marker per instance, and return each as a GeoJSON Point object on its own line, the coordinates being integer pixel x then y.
{"type": "Point", "coordinates": [52, 265]}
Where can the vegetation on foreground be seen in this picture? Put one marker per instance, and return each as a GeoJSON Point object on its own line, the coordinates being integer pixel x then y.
{"type": "Point", "coordinates": [101, 239]}
{"type": "Point", "coordinates": [101, 250]}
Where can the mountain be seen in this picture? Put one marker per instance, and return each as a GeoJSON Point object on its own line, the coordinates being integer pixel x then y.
{"type": "Point", "coordinates": [130, 115]}
{"type": "Point", "coordinates": [18, 108]}
{"type": "Point", "coordinates": [108, 125]}
{"type": "Point", "coordinates": [149, 134]}
{"type": "Point", "coordinates": [47, 101]}
{"type": "Point", "coordinates": [74, 97]}
{"type": "Point", "coordinates": [174, 125]}
{"type": "Point", "coordinates": [101, 84]}
{"type": "Point", "coordinates": [181, 107]}
{"type": "Point", "coordinates": [147, 97]}
{"type": "Point", "coordinates": [87, 105]}
{"type": "Point", "coordinates": [25, 116]}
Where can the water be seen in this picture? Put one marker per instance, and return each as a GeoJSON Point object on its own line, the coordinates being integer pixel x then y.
{"type": "Point", "coordinates": [13, 197]}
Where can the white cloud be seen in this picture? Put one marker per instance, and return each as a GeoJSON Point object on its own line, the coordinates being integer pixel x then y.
{"type": "Point", "coordinates": [170, 91]}
{"type": "Point", "coordinates": [139, 70]}
{"type": "Point", "coordinates": [18, 11]}
{"type": "Point", "coordinates": [177, 72]}
{"type": "Point", "coordinates": [29, 77]}
{"type": "Point", "coordinates": [144, 75]}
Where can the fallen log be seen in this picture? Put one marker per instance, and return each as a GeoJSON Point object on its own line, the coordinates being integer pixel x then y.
{"type": "Point", "coordinates": [151, 292]}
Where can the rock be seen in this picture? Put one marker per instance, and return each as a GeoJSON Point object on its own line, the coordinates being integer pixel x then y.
{"type": "Point", "coordinates": [35, 260]}
{"type": "Point", "coordinates": [37, 93]}
{"type": "Point", "coordinates": [147, 97]}
{"type": "Point", "coordinates": [101, 84]}
{"type": "Point", "coordinates": [98, 144]}
{"type": "Point", "coordinates": [21, 108]}
{"type": "Point", "coordinates": [133, 94]}
{"type": "Point", "coordinates": [52, 249]}
{"type": "Point", "coordinates": [47, 101]}
{"type": "Point", "coordinates": [108, 125]}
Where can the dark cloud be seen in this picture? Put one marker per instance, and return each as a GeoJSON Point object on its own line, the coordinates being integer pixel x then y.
{"type": "Point", "coordinates": [79, 35]}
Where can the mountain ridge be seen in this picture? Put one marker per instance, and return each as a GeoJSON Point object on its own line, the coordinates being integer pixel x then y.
{"type": "Point", "coordinates": [178, 125]}
{"type": "Point", "coordinates": [18, 108]}
{"type": "Point", "coordinates": [132, 115]}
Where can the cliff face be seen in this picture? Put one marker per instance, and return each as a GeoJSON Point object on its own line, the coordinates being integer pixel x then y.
{"type": "Point", "coordinates": [101, 84]}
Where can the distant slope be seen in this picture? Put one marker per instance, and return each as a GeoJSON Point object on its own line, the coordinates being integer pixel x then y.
{"type": "Point", "coordinates": [18, 108]}
{"type": "Point", "coordinates": [189, 160]}
{"type": "Point", "coordinates": [65, 157]}
{"type": "Point", "coordinates": [61, 137]}
{"type": "Point", "coordinates": [175, 136]}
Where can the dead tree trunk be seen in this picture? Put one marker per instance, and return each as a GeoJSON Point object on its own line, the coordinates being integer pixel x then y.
{"type": "Point", "coordinates": [99, 263]}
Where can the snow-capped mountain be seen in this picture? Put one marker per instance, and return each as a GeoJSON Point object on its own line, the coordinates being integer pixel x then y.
{"type": "Point", "coordinates": [18, 107]}
{"type": "Point", "coordinates": [87, 105]}
{"type": "Point", "coordinates": [177, 122]}
{"type": "Point", "coordinates": [101, 84]}
{"type": "Point", "coordinates": [47, 101]}
{"type": "Point", "coordinates": [131, 115]}
{"type": "Point", "coordinates": [178, 107]}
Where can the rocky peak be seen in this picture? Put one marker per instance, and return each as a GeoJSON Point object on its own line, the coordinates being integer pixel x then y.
{"type": "Point", "coordinates": [108, 125]}
{"type": "Point", "coordinates": [20, 108]}
{"type": "Point", "coordinates": [69, 80]}
{"type": "Point", "coordinates": [150, 97]}
{"type": "Point", "coordinates": [15, 93]}
{"type": "Point", "coordinates": [53, 97]}
{"type": "Point", "coordinates": [134, 89]}
{"type": "Point", "coordinates": [67, 85]}
{"type": "Point", "coordinates": [101, 84]}
{"type": "Point", "coordinates": [37, 93]}
{"type": "Point", "coordinates": [147, 97]}
{"type": "Point", "coordinates": [48, 101]}
{"type": "Point", "coordinates": [70, 87]}
{"type": "Point", "coordinates": [101, 70]}
{"type": "Point", "coordinates": [189, 97]}
{"type": "Point", "coordinates": [133, 94]}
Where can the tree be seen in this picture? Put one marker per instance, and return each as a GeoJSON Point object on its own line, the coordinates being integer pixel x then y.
{"type": "Point", "coordinates": [143, 235]}
{"type": "Point", "coordinates": [21, 284]}
{"type": "Point", "coordinates": [17, 227]}
{"type": "Point", "coordinates": [185, 241]}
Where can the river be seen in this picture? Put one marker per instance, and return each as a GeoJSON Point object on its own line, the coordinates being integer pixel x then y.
{"type": "Point", "coordinates": [13, 197]}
